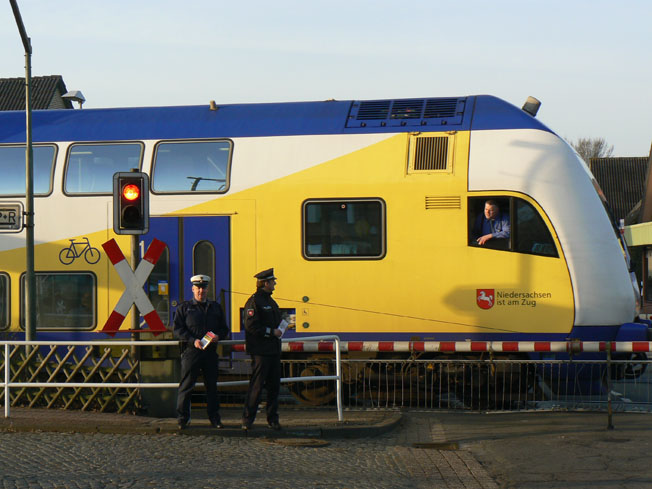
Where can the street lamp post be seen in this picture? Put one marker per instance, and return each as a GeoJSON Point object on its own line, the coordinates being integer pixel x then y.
{"type": "Point", "coordinates": [30, 285]}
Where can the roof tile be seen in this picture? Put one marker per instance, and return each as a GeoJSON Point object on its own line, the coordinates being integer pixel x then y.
{"type": "Point", "coordinates": [44, 88]}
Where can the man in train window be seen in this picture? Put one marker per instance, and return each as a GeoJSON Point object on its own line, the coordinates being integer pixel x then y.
{"type": "Point", "coordinates": [492, 225]}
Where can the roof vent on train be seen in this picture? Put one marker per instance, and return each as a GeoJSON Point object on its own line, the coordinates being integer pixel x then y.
{"type": "Point", "coordinates": [433, 112]}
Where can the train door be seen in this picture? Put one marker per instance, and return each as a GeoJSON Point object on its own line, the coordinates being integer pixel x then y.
{"type": "Point", "coordinates": [194, 245]}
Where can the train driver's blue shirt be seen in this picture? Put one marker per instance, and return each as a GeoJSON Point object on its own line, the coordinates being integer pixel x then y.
{"type": "Point", "coordinates": [498, 228]}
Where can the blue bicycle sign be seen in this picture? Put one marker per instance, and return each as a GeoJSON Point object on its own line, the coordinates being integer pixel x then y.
{"type": "Point", "coordinates": [77, 249]}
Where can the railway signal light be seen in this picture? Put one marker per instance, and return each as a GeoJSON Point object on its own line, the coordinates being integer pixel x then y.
{"type": "Point", "coordinates": [130, 203]}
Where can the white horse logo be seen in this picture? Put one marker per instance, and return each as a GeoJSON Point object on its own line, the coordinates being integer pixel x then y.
{"type": "Point", "coordinates": [489, 299]}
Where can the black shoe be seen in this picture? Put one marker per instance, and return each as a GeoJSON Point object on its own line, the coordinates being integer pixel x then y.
{"type": "Point", "coordinates": [217, 424]}
{"type": "Point", "coordinates": [182, 424]}
{"type": "Point", "coordinates": [274, 425]}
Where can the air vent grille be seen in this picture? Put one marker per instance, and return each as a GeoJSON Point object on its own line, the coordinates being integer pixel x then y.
{"type": "Point", "coordinates": [407, 109]}
{"type": "Point", "coordinates": [432, 112]}
{"type": "Point", "coordinates": [444, 107]}
{"type": "Point", "coordinates": [430, 153]}
{"type": "Point", "coordinates": [443, 202]}
{"type": "Point", "coordinates": [375, 110]}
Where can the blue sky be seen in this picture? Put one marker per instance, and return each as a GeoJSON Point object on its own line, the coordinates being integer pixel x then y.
{"type": "Point", "coordinates": [587, 61]}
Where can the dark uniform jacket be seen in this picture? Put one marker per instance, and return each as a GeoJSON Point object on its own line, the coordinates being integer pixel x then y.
{"type": "Point", "coordinates": [193, 320]}
{"type": "Point", "coordinates": [262, 317]}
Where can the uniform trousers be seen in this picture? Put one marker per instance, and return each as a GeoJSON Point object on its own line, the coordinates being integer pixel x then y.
{"type": "Point", "coordinates": [194, 361]}
{"type": "Point", "coordinates": [265, 372]}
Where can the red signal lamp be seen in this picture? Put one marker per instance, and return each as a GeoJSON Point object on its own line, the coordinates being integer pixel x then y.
{"type": "Point", "coordinates": [131, 192]}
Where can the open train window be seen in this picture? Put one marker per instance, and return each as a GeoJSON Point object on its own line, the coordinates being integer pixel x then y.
{"type": "Point", "coordinates": [508, 223]}
{"type": "Point", "coordinates": [64, 301]}
{"type": "Point", "coordinates": [191, 167]}
{"type": "Point", "coordinates": [344, 229]}
{"type": "Point", "coordinates": [12, 162]}
{"type": "Point", "coordinates": [4, 301]}
{"type": "Point", "coordinates": [90, 167]}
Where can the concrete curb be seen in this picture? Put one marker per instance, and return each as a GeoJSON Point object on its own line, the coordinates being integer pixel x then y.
{"type": "Point", "coordinates": [297, 424]}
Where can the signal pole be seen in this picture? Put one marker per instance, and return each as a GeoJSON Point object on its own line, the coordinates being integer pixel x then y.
{"type": "Point", "coordinates": [30, 283]}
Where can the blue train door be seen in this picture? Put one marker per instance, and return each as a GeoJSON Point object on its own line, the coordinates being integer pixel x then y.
{"type": "Point", "coordinates": [194, 245]}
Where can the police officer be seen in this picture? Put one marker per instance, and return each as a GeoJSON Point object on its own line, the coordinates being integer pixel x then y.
{"type": "Point", "coordinates": [264, 327]}
{"type": "Point", "coordinates": [192, 320]}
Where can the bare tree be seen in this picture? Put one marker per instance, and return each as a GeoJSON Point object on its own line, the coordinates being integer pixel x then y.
{"type": "Point", "coordinates": [589, 148]}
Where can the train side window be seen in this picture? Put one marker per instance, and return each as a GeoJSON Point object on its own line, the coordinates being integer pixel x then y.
{"type": "Point", "coordinates": [64, 301]}
{"type": "Point", "coordinates": [490, 216]}
{"type": "Point", "coordinates": [337, 229]}
{"type": "Point", "coordinates": [12, 162]}
{"type": "Point", "coordinates": [203, 262]}
{"type": "Point", "coordinates": [191, 167]}
{"type": "Point", "coordinates": [531, 235]}
{"type": "Point", "coordinates": [90, 167]}
{"type": "Point", "coordinates": [518, 227]}
{"type": "Point", "coordinates": [4, 301]}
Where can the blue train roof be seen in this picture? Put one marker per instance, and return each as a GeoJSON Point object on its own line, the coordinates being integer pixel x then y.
{"type": "Point", "coordinates": [481, 112]}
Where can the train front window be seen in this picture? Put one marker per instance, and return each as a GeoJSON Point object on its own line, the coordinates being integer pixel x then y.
{"type": "Point", "coordinates": [64, 301]}
{"type": "Point", "coordinates": [12, 162]}
{"type": "Point", "coordinates": [343, 229]}
{"type": "Point", "coordinates": [4, 300]}
{"type": "Point", "coordinates": [90, 167]}
{"type": "Point", "coordinates": [191, 167]}
{"type": "Point", "coordinates": [510, 224]}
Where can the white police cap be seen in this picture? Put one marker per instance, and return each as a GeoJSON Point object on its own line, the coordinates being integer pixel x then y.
{"type": "Point", "coordinates": [200, 279]}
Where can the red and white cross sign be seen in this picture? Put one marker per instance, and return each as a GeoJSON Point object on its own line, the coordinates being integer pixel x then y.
{"type": "Point", "coordinates": [134, 293]}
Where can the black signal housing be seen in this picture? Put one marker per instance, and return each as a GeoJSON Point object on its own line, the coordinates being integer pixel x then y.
{"type": "Point", "coordinates": [130, 203]}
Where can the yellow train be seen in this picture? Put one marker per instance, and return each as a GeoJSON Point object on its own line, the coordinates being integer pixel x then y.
{"type": "Point", "coordinates": [371, 213]}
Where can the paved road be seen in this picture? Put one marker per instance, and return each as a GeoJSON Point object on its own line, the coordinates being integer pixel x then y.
{"type": "Point", "coordinates": [557, 450]}
{"type": "Point", "coordinates": [533, 450]}
{"type": "Point", "coordinates": [97, 460]}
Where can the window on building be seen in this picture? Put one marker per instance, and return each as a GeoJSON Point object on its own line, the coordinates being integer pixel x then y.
{"type": "Point", "coordinates": [513, 223]}
{"type": "Point", "coordinates": [12, 162]}
{"type": "Point", "coordinates": [192, 166]}
{"type": "Point", "coordinates": [64, 301]}
{"type": "Point", "coordinates": [90, 167]}
{"type": "Point", "coordinates": [344, 229]}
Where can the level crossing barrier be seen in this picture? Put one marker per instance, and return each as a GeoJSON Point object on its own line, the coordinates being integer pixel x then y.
{"type": "Point", "coordinates": [447, 375]}
{"type": "Point", "coordinates": [7, 384]}
{"type": "Point", "coordinates": [571, 346]}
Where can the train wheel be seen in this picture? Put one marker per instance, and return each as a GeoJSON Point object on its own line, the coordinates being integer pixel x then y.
{"type": "Point", "coordinates": [312, 392]}
{"type": "Point", "coordinates": [637, 366]}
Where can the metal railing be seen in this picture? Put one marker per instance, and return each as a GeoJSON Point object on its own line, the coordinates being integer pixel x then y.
{"type": "Point", "coordinates": [617, 378]}
{"type": "Point", "coordinates": [8, 384]}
